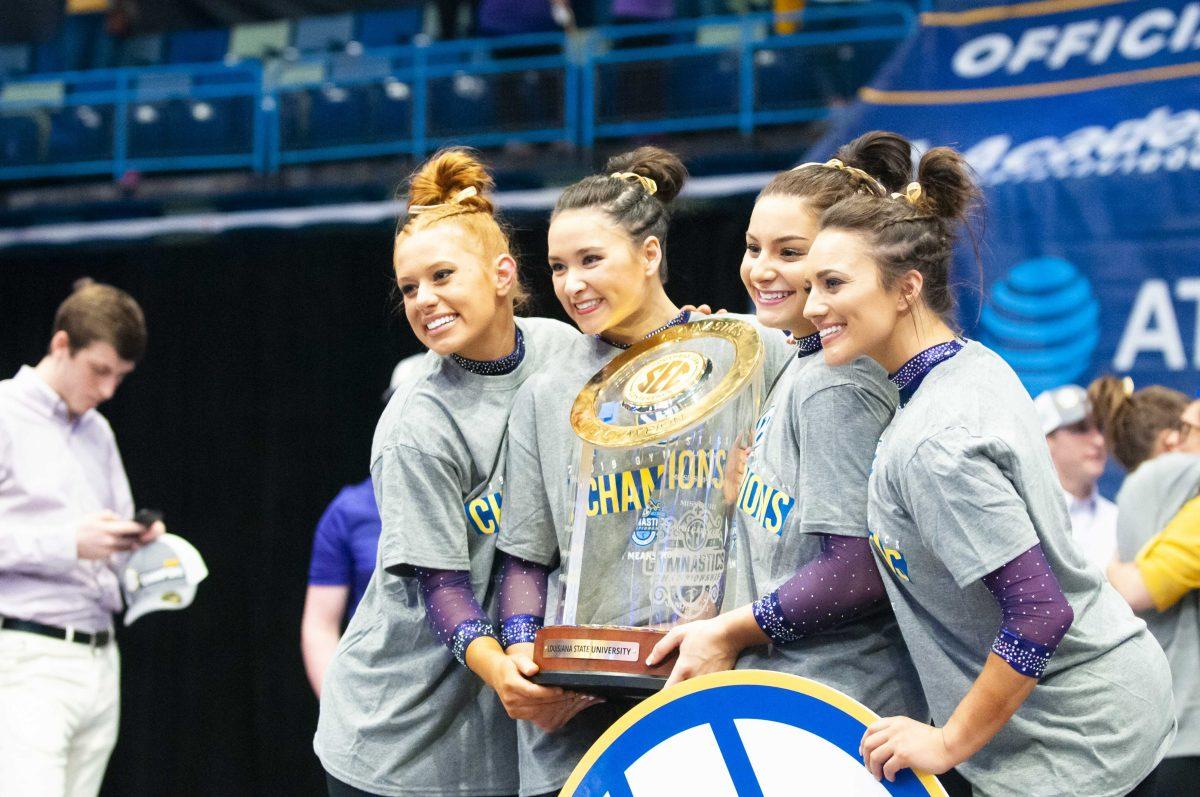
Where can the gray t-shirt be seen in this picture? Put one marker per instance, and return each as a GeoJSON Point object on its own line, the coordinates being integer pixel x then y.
{"type": "Point", "coordinates": [806, 476]}
{"type": "Point", "coordinates": [962, 484]}
{"type": "Point", "coordinates": [1148, 499]}
{"type": "Point", "coordinates": [399, 716]}
{"type": "Point", "coordinates": [543, 453]}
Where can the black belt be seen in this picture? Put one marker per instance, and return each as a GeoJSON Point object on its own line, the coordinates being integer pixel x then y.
{"type": "Point", "coordinates": [96, 640]}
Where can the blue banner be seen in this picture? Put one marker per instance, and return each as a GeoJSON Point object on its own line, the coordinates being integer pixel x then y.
{"type": "Point", "coordinates": [1082, 119]}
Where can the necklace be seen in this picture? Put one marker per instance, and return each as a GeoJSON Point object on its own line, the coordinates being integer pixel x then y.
{"type": "Point", "coordinates": [505, 365]}
{"type": "Point", "coordinates": [682, 318]}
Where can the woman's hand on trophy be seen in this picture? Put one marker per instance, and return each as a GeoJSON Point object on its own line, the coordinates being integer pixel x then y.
{"type": "Point", "coordinates": [895, 743]}
{"type": "Point", "coordinates": [706, 646]}
{"type": "Point", "coordinates": [702, 646]}
{"type": "Point", "coordinates": [703, 309]}
{"type": "Point", "coordinates": [548, 707]}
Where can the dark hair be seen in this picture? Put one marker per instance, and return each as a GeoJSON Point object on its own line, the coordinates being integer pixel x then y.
{"type": "Point", "coordinates": [1131, 421]}
{"type": "Point", "coordinates": [917, 229]}
{"type": "Point", "coordinates": [627, 200]}
{"type": "Point", "coordinates": [875, 164]}
{"type": "Point", "coordinates": [434, 196]}
{"type": "Point", "coordinates": [97, 312]}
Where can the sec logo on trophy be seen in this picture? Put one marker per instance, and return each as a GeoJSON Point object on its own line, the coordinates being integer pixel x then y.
{"type": "Point", "coordinates": [746, 733]}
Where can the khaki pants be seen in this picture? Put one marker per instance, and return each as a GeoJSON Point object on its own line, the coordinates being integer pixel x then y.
{"type": "Point", "coordinates": [59, 709]}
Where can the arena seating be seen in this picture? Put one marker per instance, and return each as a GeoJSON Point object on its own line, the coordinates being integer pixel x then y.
{"type": "Point", "coordinates": [262, 95]}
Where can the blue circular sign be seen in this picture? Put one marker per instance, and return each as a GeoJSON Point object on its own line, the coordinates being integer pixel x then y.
{"type": "Point", "coordinates": [746, 733]}
{"type": "Point", "coordinates": [1044, 320]}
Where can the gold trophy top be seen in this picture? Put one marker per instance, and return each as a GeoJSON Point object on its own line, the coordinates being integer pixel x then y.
{"type": "Point", "coordinates": [668, 382]}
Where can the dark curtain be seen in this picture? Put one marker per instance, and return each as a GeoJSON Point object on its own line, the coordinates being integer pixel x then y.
{"type": "Point", "coordinates": [255, 403]}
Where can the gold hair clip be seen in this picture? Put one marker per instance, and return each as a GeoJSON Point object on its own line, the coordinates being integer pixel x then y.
{"type": "Point", "coordinates": [835, 163]}
{"type": "Point", "coordinates": [912, 193]}
{"type": "Point", "coordinates": [457, 199]}
{"type": "Point", "coordinates": [1127, 383]}
{"type": "Point", "coordinates": [647, 183]}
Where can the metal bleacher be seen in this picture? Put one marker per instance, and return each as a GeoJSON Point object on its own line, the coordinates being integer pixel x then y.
{"type": "Point", "coordinates": [265, 95]}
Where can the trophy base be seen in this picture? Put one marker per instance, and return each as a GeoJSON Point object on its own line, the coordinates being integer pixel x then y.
{"type": "Point", "coordinates": [601, 660]}
{"type": "Point", "coordinates": [604, 684]}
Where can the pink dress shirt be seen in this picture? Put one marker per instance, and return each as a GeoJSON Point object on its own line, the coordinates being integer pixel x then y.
{"type": "Point", "coordinates": [53, 471]}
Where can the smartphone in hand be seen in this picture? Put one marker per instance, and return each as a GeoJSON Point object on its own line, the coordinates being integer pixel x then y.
{"type": "Point", "coordinates": [147, 517]}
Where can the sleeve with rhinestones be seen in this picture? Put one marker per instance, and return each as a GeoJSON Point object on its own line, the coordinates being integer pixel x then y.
{"type": "Point", "coordinates": [1036, 614]}
{"type": "Point", "coordinates": [452, 610]}
{"type": "Point", "coordinates": [840, 584]}
{"type": "Point", "coordinates": [523, 588]}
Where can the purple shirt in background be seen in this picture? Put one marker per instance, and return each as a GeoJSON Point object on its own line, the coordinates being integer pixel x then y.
{"type": "Point", "coordinates": [509, 17]}
{"type": "Point", "coordinates": [346, 542]}
{"type": "Point", "coordinates": [53, 471]}
{"type": "Point", "coordinates": [644, 9]}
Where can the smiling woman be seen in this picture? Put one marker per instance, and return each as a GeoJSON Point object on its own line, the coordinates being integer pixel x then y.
{"type": "Point", "coordinates": [608, 261]}
{"type": "Point", "coordinates": [402, 691]}
{"type": "Point", "coordinates": [809, 595]}
{"type": "Point", "coordinates": [998, 606]}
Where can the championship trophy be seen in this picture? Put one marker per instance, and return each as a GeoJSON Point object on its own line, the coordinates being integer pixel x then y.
{"type": "Point", "coordinates": [654, 489]}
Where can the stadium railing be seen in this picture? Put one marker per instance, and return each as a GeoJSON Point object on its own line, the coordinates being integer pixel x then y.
{"type": "Point", "coordinates": [734, 72]}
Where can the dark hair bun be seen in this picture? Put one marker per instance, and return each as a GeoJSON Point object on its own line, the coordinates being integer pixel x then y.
{"type": "Point", "coordinates": [446, 175]}
{"type": "Point", "coordinates": [948, 187]}
{"type": "Point", "coordinates": [661, 166]}
{"type": "Point", "coordinates": [885, 156]}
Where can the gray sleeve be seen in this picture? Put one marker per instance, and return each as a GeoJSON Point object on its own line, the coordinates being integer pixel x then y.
{"type": "Point", "coordinates": [966, 510]}
{"type": "Point", "coordinates": [837, 429]}
{"type": "Point", "coordinates": [421, 511]}
{"type": "Point", "coordinates": [526, 523]}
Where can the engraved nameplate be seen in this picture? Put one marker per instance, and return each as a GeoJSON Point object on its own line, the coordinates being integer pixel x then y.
{"type": "Point", "coordinates": [602, 649]}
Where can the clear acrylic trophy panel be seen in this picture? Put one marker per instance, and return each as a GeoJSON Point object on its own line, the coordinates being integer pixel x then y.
{"type": "Point", "coordinates": [655, 483]}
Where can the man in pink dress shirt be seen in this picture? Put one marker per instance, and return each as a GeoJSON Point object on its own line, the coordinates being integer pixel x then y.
{"type": "Point", "coordinates": [65, 533]}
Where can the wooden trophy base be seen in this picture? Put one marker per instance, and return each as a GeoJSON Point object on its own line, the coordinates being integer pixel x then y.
{"type": "Point", "coordinates": [600, 660]}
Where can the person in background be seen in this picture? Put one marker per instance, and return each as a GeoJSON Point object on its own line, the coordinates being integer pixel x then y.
{"type": "Point", "coordinates": [343, 558]}
{"type": "Point", "coordinates": [65, 535]}
{"type": "Point", "coordinates": [1077, 448]}
{"type": "Point", "coordinates": [1161, 486]}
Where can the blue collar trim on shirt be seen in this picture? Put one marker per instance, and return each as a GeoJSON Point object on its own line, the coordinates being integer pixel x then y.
{"type": "Point", "coordinates": [809, 344]}
{"type": "Point", "coordinates": [505, 365]}
{"type": "Point", "coordinates": [913, 373]}
{"type": "Point", "coordinates": [682, 318]}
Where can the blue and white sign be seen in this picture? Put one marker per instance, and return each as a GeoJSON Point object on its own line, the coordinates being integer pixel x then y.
{"type": "Point", "coordinates": [747, 733]}
{"type": "Point", "coordinates": [1082, 119]}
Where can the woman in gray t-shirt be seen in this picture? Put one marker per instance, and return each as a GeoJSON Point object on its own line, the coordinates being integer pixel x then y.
{"type": "Point", "coordinates": [802, 503]}
{"type": "Point", "coordinates": [1039, 678]}
{"type": "Point", "coordinates": [607, 251]}
{"type": "Point", "coordinates": [400, 713]}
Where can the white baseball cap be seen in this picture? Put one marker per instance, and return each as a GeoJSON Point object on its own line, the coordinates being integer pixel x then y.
{"type": "Point", "coordinates": [1062, 406]}
{"type": "Point", "coordinates": [162, 575]}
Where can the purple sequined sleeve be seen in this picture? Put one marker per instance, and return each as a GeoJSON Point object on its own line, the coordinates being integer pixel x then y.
{"type": "Point", "coordinates": [523, 587]}
{"type": "Point", "coordinates": [1036, 612]}
{"type": "Point", "coordinates": [841, 583]}
{"type": "Point", "coordinates": [453, 613]}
